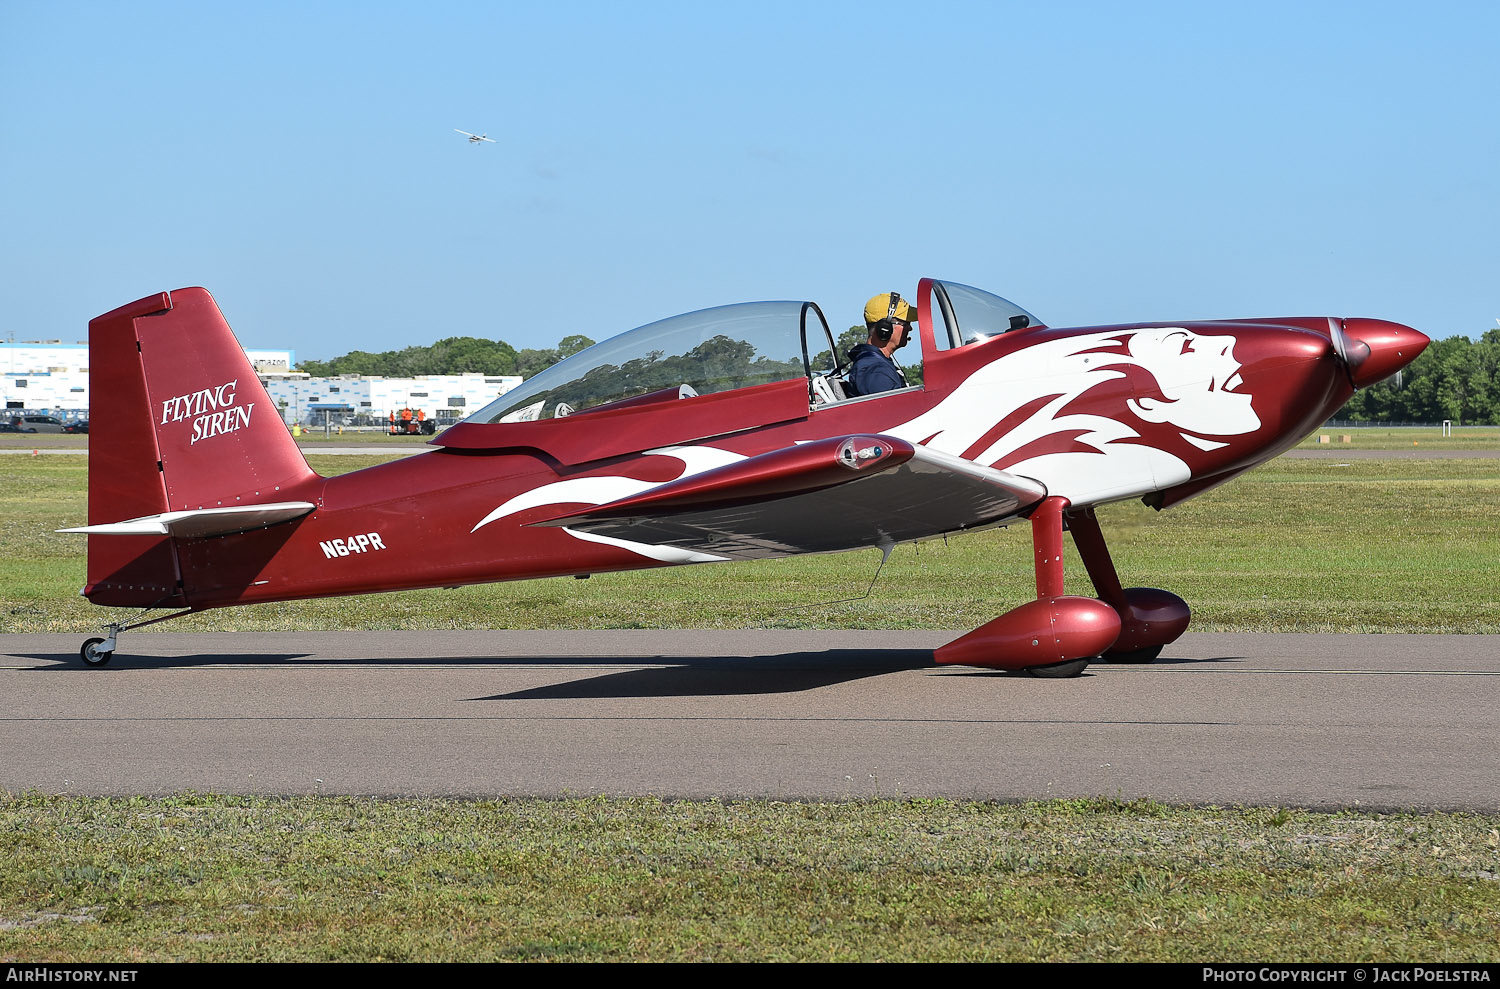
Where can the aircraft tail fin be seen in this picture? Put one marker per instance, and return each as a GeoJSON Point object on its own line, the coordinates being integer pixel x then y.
{"type": "Point", "coordinates": [178, 422]}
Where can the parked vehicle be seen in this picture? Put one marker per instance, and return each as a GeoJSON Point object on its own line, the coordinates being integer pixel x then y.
{"type": "Point", "coordinates": [77, 426]}
{"type": "Point", "coordinates": [38, 424]}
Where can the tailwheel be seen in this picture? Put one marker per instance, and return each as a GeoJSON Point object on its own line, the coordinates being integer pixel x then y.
{"type": "Point", "coordinates": [1060, 671]}
{"type": "Point", "coordinates": [92, 655]}
{"type": "Point", "coordinates": [97, 651]}
{"type": "Point", "coordinates": [1145, 655]}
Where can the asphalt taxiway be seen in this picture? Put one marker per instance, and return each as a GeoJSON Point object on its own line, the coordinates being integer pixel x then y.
{"type": "Point", "coordinates": [1323, 721]}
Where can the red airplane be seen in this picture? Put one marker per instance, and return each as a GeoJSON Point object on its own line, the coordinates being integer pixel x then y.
{"type": "Point", "coordinates": [724, 434]}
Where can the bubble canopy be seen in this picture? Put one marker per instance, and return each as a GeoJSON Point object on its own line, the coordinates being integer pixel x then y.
{"type": "Point", "coordinates": [726, 348]}
{"type": "Point", "coordinates": [697, 353]}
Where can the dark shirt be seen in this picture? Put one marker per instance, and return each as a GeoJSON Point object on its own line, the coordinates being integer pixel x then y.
{"type": "Point", "coordinates": [871, 372]}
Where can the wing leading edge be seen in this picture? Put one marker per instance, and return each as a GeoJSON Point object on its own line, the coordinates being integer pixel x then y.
{"type": "Point", "coordinates": [821, 497]}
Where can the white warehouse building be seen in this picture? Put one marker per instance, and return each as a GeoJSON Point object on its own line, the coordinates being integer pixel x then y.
{"type": "Point", "coordinates": [45, 376]}
{"type": "Point", "coordinates": [53, 377]}
{"type": "Point", "coordinates": [444, 398]}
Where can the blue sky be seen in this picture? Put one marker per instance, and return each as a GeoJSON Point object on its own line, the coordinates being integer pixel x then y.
{"type": "Point", "coordinates": [1095, 163]}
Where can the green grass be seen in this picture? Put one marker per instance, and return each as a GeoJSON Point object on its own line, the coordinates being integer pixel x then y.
{"type": "Point", "coordinates": [217, 878]}
{"type": "Point", "coordinates": [311, 439]}
{"type": "Point", "coordinates": [1404, 438]}
{"type": "Point", "coordinates": [1296, 545]}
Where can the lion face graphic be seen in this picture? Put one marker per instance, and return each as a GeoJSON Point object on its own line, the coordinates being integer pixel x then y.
{"type": "Point", "coordinates": [1142, 398]}
{"type": "Point", "coordinates": [1196, 376]}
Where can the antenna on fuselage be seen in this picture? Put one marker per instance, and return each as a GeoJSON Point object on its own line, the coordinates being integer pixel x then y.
{"type": "Point", "coordinates": [885, 554]}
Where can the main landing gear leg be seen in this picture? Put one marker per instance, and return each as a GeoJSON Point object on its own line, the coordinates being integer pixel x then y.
{"type": "Point", "coordinates": [1149, 618]}
{"type": "Point", "coordinates": [98, 651]}
{"type": "Point", "coordinates": [1057, 634]}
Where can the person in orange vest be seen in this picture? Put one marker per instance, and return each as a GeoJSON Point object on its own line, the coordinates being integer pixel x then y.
{"type": "Point", "coordinates": [393, 423]}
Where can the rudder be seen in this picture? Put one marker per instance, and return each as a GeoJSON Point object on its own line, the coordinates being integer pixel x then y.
{"type": "Point", "coordinates": [178, 421]}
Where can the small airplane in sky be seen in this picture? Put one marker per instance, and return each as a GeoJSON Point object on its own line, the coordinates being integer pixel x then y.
{"type": "Point", "coordinates": [724, 434]}
{"type": "Point", "coordinates": [475, 138]}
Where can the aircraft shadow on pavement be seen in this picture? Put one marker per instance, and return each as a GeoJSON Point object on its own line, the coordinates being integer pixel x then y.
{"type": "Point", "coordinates": [788, 673]}
{"type": "Point", "coordinates": [1192, 661]}
{"type": "Point", "coordinates": [668, 676]}
{"type": "Point", "coordinates": [68, 662]}
{"type": "Point", "coordinates": [704, 676]}
{"type": "Point", "coordinates": [784, 674]}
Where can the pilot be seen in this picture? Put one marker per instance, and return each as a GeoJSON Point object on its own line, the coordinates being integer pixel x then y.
{"type": "Point", "coordinates": [888, 320]}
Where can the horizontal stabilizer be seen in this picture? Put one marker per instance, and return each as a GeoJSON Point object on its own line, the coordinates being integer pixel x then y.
{"type": "Point", "coordinates": [820, 497]}
{"type": "Point", "coordinates": [202, 522]}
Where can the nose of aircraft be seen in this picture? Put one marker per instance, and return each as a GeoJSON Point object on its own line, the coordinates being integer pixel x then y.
{"type": "Point", "coordinates": [1375, 349]}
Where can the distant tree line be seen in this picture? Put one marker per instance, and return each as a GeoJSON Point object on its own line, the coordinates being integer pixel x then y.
{"type": "Point", "coordinates": [452, 355]}
{"type": "Point", "coordinates": [1455, 379]}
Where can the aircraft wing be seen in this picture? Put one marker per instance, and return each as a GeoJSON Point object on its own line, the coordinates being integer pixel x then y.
{"type": "Point", "coordinates": [820, 497]}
